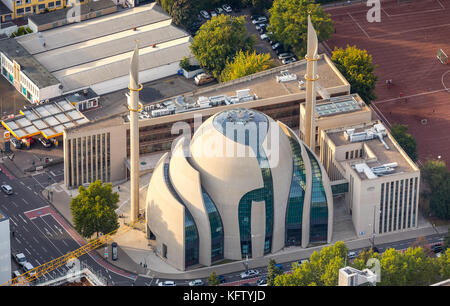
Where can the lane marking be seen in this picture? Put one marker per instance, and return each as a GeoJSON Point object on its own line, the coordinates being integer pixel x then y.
{"type": "Point", "coordinates": [359, 25]}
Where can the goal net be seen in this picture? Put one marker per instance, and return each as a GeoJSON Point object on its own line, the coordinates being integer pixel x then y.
{"type": "Point", "coordinates": [443, 57]}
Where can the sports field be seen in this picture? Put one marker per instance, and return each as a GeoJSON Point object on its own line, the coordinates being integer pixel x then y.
{"type": "Point", "coordinates": [404, 46]}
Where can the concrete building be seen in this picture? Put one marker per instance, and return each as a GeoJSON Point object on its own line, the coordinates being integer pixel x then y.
{"type": "Point", "coordinates": [21, 8]}
{"type": "Point", "coordinates": [26, 74]}
{"type": "Point", "coordinates": [269, 92]}
{"type": "Point", "coordinates": [349, 276]}
{"type": "Point", "coordinates": [94, 53]}
{"type": "Point", "coordinates": [5, 249]}
{"type": "Point", "coordinates": [57, 18]}
{"type": "Point", "coordinates": [383, 182]}
{"type": "Point", "coordinates": [244, 186]}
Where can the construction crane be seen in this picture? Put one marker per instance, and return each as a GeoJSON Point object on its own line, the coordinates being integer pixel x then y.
{"type": "Point", "coordinates": [43, 269]}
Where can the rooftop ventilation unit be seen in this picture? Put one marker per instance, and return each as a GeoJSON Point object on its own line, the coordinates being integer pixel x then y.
{"type": "Point", "coordinates": [384, 169]}
{"type": "Point", "coordinates": [286, 77]}
{"type": "Point", "coordinates": [377, 131]}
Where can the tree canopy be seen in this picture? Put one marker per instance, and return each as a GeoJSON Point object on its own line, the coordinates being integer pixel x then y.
{"type": "Point", "coordinates": [245, 64]}
{"type": "Point", "coordinates": [93, 210]}
{"type": "Point", "coordinates": [322, 270]}
{"type": "Point", "coordinates": [357, 68]}
{"type": "Point", "coordinates": [218, 41]}
{"type": "Point", "coordinates": [289, 23]}
{"type": "Point", "coordinates": [213, 279]}
{"type": "Point", "coordinates": [437, 179]}
{"type": "Point", "coordinates": [272, 272]}
{"type": "Point", "coordinates": [405, 140]}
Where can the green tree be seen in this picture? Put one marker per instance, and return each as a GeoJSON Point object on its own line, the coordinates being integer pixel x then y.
{"type": "Point", "coordinates": [166, 5]}
{"type": "Point", "coordinates": [322, 270]}
{"type": "Point", "coordinates": [218, 41]}
{"type": "Point", "coordinates": [444, 265]}
{"type": "Point", "coordinates": [436, 179]}
{"type": "Point", "coordinates": [245, 64]}
{"type": "Point", "coordinates": [213, 279]}
{"type": "Point", "coordinates": [272, 272]}
{"type": "Point", "coordinates": [405, 140]}
{"type": "Point", "coordinates": [93, 210]}
{"type": "Point", "coordinates": [411, 268]}
{"type": "Point", "coordinates": [289, 23]}
{"type": "Point", "coordinates": [357, 68]}
{"type": "Point", "coordinates": [184, 13]}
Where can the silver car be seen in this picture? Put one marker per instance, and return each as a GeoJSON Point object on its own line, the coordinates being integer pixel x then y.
{"type": "Point", "coordinates": [167, 283]}
{"type": "Point", "coordinates": [7, 189]}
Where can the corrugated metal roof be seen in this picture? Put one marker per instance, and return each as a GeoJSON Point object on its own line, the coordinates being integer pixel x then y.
{"type": "Point", "coordinates": [91, 29]}
{"type": "Point", "coordinates": [118, 66]}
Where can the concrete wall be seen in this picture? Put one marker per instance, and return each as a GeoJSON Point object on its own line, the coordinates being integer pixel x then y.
{"type": "Point", "coordinates": [5, 251]}
{"type": "Point", "coordinates": [144, 77]}
{"type": "Point", "coordinates": [165, 218]}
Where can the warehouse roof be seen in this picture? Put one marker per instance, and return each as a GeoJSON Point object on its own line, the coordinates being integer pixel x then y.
{"type": "Point", "coordinates": [61, 14]}
{"type": "Point", "coordinates": [118, 65]}
{"type": "Point", "coordinates": [34, 70]}
{"type": "Point", "coordinates": [108, 46]}
{"type": "Point", "coordinates": [91, 29]}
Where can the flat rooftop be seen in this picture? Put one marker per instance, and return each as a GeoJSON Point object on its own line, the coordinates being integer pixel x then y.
{"type": "Point", "coordinates": [28, 64]}
{"type": "Point", "coordinates": [379, 154]}
{"type": "Point", "coordinates": [61, 14]}
{"type": "Point", "coordinates": [262, 86]}
{"type": "Point", "coordinates": [97, 50]}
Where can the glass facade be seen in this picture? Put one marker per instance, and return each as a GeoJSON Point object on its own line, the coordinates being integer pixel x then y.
{"type": "Point", "coordinates": [191, 240]}
{"type": "Point", "coordinates": [319, 206]}
{"type": "Point", "coordinates": [215, 222]}
{"type": "Point", "coordinates": [294, 211]}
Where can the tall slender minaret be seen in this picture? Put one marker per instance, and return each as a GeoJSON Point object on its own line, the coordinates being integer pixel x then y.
{"type": "Point", "coordinates": [134, 107]}
{"type": "Point", "coordinates": [310, 77]}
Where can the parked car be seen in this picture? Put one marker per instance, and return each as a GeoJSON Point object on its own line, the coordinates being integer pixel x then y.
{"type": "Point", "coordinates": [203, 78]}
{"type": "Point", "coordinates": [285, 55]}
{"type": "Point", "coordinates": [279, 266]}
{"type": "Point", "coordinates": [227, 8]}
{"type": "Point", "coordinates": [16, 143]}
{"type": "Point", "coordinates": [262, 30]}
{"type": "Point", "coordinates": [264, 36]}
{"type": "Point", "coordinates": [197, 282]}
{"type": "Point", "coordinates": [254, 17]}
{"type": "Point", "coordinates": [205, 14]}
{"type": "Point", "coordinates": [249, 273]}
{"type": "Point", "coordinates": [7, 189]}
{"type": "Point", "coordinates": [220, 11]}
{"type": "Point", "coordinates": [352, 255]}
{"type": "Point", "coordinates": [16, 274]}
{"type": "Point", "coordinates": [27, 266]}
{"type": "Point", "coordinates": [288, 60]}
{"type": "Point", "coordinates": [437, 248]}
{"type": "Point", "coordinates": [45, 142]}
{"type": "Point", "coordinates": [260, 25]}
{"type": "Point", "coordinates": [280, 50]}
{"type": "Point", "coordinates": [276, 45]}
{"type": "Point", "coordinates": [167, 283]}
{"type": "Point", "coordinates": [221, 279]}
{"type": "Point", "coordinates": [262, 281]}
{"type": "Point", "coordinates": [302, 261]}
{"type": "Point", "coordinates": [212, 13]}
{"type": "Point", "coordinates": [20, 258]}
{"type": "Point", "coordinates": [259, 20]}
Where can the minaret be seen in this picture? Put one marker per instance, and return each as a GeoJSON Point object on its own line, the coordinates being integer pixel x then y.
{"type": "Point", "coordinates": [310, 77]}
{"type": "Point", "coordinates": [134, 106]}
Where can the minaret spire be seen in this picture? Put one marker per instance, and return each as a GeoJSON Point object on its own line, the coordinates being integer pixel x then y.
{"type": "Point", "coordinates": [310, 77]}
{"type": "Point", "coordinates": [135, 107]}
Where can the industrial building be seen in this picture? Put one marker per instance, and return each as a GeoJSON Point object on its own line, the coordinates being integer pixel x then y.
{"type": "Point", "coordinates": [244, 186]}
{"type": "Point", "coordinates": [94, 54]}
{"type": "Point", "coordinates": [5, 249]}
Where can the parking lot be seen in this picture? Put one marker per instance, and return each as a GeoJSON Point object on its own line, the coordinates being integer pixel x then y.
{"type": "Point", "coordinates": [261, 46]}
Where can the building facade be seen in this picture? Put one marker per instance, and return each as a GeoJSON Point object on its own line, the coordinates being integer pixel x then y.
{"type": "Point", "coordinates": [5, 249]}
{"type": "Point", "coordinates": [22, 8]}
{"type": "Point", "coordinates": [243, 187]}
{"type": "Point", "coordinates": [383, 182]}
